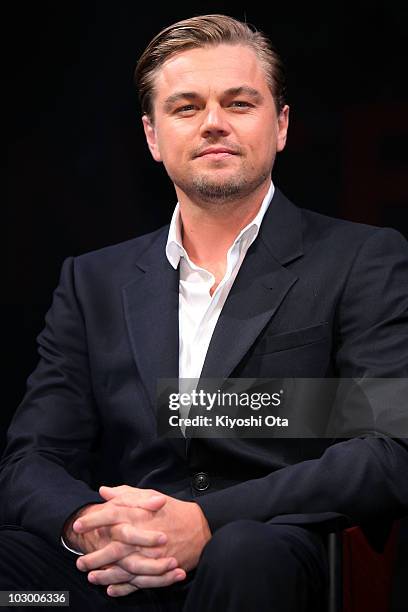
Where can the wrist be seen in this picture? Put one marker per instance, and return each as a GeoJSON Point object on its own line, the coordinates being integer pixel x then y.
{"type": "Point", "coordinates": [72, 539]}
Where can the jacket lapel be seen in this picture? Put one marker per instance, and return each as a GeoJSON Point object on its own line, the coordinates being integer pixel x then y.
{"type": "Point", "coordinates": [151, 310]}
{"type": "Point", "coordinates": [260, 287]}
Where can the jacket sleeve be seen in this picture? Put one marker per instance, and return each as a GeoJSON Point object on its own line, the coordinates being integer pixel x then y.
{"type": "Point", "coordinates": [46, 465]}
{"type": "Point", "coordinates": [362, 479]}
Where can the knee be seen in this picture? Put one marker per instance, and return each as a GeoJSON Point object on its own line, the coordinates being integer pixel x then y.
{"type": "Point", "coordinates": [252, 546]}
{"type": "Point", "coordinates": [238, 543]}
{"type": "Point", "coordinates": [248, 560]}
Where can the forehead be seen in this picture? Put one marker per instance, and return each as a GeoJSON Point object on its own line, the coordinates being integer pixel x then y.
{"type": "Point", "coordinates": [210, 69]}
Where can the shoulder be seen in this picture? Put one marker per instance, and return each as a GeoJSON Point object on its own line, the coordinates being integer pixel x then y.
{"type": "Point", "coordinates": [294, 230]}
{"type": "Point", "coordinates": [129, 249]}
{"type": "Point", "coordinates": [115, 265]}
{"type": "Point", "coordinates": [124, 256]}
{"type": "Point", "coordinates": [345, 235]}
{"type": "Point", "coordinates": [323, 226]}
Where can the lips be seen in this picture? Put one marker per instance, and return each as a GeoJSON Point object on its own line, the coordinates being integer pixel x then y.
{"type": "Point", "coordinates": [216, 151]}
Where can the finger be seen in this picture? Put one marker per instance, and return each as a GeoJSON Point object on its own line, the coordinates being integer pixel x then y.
{"type": "Point", "coordinates": [124, 496]}
{"type": "Point", "coordinates": [147, 502]}
{"type": "Point", "coordinates": [129, 534]}
{"type": "Point", "coordinates": [153, 503]}
{"type": "Point", "coordinates": [119, 590]}
{"type": "Point", "coordinates": [138, 564]}
{"type": "Point", "coordinates": [112, 492]}
{"type": "Point", "coordinates": [108, 515]}
{"type": "Point", "coordinates": [109, 554]}
{"type": "Point", "coordinates": [118, 489]}
{"type": "Point", "coordinates": [110, 575]}
{"type": "Point", "coordinates": [121, 489]}
{"type": "Point", "coordinates": [152, 552]}
{"type": "Point", "coordinates": [146, 582]}
{"type": "Point", "coordinates": [117, 574]}
{"type": "Point", "coordinates": [151, 582]}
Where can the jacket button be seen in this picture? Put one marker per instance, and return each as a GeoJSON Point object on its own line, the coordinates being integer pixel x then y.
{"type": "Point", "coordinates": [201, 481]}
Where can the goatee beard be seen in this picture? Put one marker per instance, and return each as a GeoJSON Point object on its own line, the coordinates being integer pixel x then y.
{"type": "Point", "coordinates": [209, 191]}
{"type": "Point", "coordinates": [220, 193]}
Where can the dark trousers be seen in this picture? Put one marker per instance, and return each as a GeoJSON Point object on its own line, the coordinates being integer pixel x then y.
{"type": "Point", "coordinates": [247, 566]}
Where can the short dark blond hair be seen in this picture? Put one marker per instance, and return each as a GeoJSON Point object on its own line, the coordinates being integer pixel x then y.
{"type": "Point", "coordinates": [205, 31]}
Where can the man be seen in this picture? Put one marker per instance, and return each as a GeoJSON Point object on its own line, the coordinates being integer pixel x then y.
{"type": "Point", "coordinates": [242, 284]}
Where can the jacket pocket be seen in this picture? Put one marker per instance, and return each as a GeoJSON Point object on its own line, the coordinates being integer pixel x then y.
{"type": "Point", "coordinates": [293, 339]}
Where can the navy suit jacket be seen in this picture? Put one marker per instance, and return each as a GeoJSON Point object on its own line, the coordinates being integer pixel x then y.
{"type": "Point", "coordinates": [315, 297]}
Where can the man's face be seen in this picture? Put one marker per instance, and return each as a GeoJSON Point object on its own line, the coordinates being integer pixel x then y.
{"type": "Point", "coordinates": [215, 127]}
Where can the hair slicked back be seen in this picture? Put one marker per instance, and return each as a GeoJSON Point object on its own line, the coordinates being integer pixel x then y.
{"type": "Point", "coordinates": [204, 31]}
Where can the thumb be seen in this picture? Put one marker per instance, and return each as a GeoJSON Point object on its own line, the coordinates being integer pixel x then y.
{"type": "Point", "coordinates": [152, 502]}
{"type": "Point", "coordinates": [109, 492]}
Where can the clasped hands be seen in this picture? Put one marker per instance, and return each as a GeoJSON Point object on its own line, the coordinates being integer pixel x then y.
{"type": "Point", "coordinates": [137, 538]}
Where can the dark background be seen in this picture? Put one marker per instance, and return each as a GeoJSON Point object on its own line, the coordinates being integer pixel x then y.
{"type": "Point", "coordinates": [81, 177]}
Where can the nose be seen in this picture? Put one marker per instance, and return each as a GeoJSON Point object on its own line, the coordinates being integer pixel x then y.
{"type": "Point", "coordinates": [215, 123]}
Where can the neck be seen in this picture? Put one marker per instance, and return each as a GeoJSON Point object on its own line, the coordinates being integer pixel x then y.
{"type": "Point", "coordinates": [210, 230]}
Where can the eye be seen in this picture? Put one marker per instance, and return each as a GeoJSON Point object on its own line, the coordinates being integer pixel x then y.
{"type": "Point", "coordinates": [186, 108]}
{"type": "Point", "coordinates": [241, 104]}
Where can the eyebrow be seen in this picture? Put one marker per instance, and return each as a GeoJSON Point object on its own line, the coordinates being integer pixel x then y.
{"type": "Point", "coordinates": [246, 90]}
{"type": "Point", "coordinates": [193, 95]}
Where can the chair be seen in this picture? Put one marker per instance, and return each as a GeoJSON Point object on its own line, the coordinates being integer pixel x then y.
{"type": "Point", "coordinates": [359, 577]}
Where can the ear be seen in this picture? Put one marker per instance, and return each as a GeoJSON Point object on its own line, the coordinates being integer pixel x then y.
{"type": "Point", "coordinates": [151, 137]}
{"type": "Point", "coordinates": [283, 124]}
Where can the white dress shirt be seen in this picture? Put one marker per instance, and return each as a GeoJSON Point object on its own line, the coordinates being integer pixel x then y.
{"type": "Point", "coordinates": [198, 309]}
